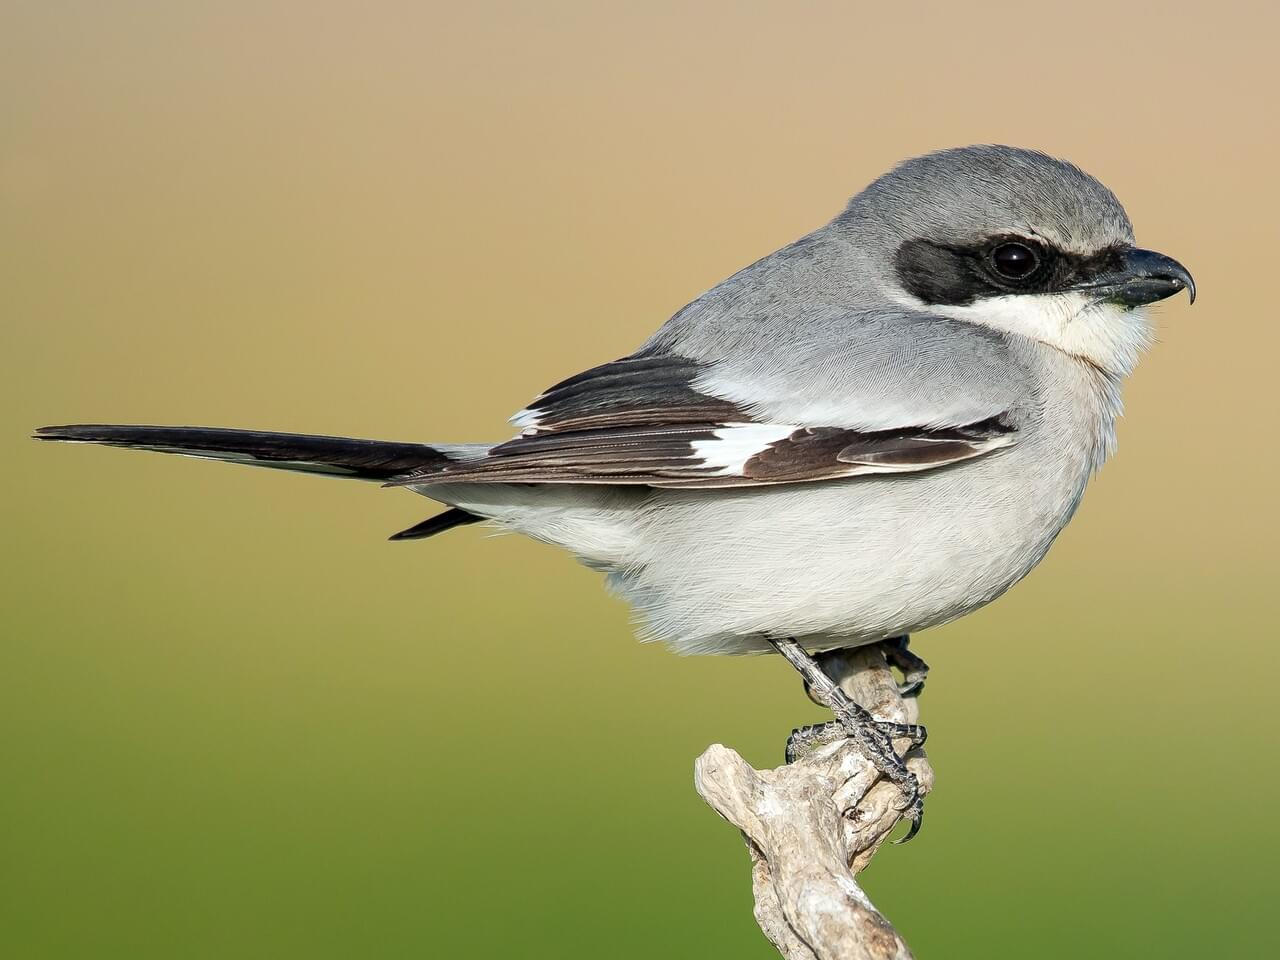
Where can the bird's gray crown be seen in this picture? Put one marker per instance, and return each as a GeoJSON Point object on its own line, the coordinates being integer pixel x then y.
{"type": "Point", "coordinates": [967, 194]}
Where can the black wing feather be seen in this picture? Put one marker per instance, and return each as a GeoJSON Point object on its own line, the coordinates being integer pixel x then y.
{"type": "Point", "coordinates": [633, 391]}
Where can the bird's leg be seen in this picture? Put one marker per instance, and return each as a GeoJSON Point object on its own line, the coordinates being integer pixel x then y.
{"type": "Point", "coordinates": [815, 735]}
{"type": "Point", "coordinates": [914, 669]}
{"type": "Point", "coordinates": [873, 737]}
{"type": "Point", "coordinates": [897, 654]}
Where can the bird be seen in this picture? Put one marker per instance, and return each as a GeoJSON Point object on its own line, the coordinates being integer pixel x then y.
{"type": "Point", "coordinates": [874, 430]}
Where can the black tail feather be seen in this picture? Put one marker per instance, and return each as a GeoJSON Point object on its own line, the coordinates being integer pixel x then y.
{"type": "Point", "coordinates": [335, 456]}
{"type": "Point", "coordinates": [438, 524]}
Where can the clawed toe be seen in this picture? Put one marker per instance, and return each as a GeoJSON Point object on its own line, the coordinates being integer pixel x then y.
{"type": "Point", "coordinates": [915, 815]}
{"type": "Point", "coordinates": [915, 732]}
{"type": "Point", "coordinates": [806, 740]}
{"type": "Point", "coordinates": [874, 738]}
{"type": "Point", "coordinates": [911, 689]}
{"type": "Point", "coordinates": [914, 670]}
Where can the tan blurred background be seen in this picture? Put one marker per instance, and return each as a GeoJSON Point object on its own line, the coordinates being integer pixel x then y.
{"type": "Point", "coordinates": [235, 722]}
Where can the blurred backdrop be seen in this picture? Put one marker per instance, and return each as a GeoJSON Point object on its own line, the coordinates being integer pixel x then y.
{"type": "Point", "coordinates": [235, 722]}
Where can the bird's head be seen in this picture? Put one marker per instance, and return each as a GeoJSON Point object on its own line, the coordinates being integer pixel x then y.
{"type": "Point", "coordinates": [1018, 241]}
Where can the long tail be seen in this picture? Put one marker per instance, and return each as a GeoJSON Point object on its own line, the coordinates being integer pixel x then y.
{"type": "Point", "coordinates": [336, 456]}
{"type": "Point", "coordinates": [332, 456]}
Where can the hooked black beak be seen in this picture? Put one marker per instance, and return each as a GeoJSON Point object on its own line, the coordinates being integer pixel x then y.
{"type": "Point", "coordinates": [1143, 277]}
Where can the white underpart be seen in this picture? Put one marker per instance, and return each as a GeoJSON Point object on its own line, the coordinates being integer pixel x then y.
{"type": "Point", "coordinates": [1106, 334]}
{"type": "Point", "coordinates": [736, 443]}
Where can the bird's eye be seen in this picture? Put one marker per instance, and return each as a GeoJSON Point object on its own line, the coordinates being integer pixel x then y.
{"type": "Point", "coordinates": [1014, 261]}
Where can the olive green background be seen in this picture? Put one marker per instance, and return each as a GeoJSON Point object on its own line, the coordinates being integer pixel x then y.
{"type": "Point", "coordinates": [235, 722]}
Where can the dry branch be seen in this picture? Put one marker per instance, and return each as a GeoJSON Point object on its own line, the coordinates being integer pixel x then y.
{"type": "Point", "coordinates": [812, 825]}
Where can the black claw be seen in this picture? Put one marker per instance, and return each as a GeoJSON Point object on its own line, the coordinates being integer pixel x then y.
{"type": "Point", "coordinates": [914, 670]}
{"type": "Point", "coordinates": [915, 814]}
{"type": "Point", "coordinates": [875, 738]}
{"type": "Point", "coordinates": [912, 689]}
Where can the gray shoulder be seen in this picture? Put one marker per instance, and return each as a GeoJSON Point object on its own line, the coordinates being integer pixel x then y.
{"type": "Point", "coordinates": [866, 369]}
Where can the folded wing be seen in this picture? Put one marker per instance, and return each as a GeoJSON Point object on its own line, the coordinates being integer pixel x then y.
{"type": "Point", "coordinates": [652, 420]}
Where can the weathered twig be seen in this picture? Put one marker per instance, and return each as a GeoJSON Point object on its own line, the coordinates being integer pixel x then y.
{"type": "Point", "coordinates": [812, 825]}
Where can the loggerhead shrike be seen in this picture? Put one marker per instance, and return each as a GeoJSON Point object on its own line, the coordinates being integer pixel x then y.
{"type": "Point", "coordinates": [876, 429]}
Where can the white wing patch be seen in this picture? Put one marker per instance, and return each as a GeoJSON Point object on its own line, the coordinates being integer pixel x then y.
{"type": "Point", "coordinates": [736, 443]}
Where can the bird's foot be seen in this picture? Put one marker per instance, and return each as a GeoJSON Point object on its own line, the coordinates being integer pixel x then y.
{"type": "Point", "coordinates": [914, 669]}
{"type": "Point", "coordinates": [807, 740]}
{"type": "Point", "coordinates": [875, 741]}
{"type": "Point", "coordinates": [877, 747]}
{"type": "Point", "coordinates": [873, 738]}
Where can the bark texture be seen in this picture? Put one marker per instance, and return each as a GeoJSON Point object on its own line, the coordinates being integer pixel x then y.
{"type": "Point", "coordinates": [811, 826]}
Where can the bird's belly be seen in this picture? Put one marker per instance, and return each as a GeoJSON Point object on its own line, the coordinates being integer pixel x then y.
{"type": "Point", "coordinates": [841, 563]}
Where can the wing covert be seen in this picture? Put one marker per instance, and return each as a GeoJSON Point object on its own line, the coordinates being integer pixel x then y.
{"type": "Point", "coordinates": [882, 393]}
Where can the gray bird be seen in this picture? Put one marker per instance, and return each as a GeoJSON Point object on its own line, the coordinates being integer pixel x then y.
{"type": "Point", "coordinates": [874, 430]}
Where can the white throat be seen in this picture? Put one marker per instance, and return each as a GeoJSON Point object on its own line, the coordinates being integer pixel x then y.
{"type": "Point", "coordinates": [1107, 335]}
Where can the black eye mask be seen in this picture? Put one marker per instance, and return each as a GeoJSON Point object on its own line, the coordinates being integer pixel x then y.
{"type": "Point", "coordinates": [957, 275]}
